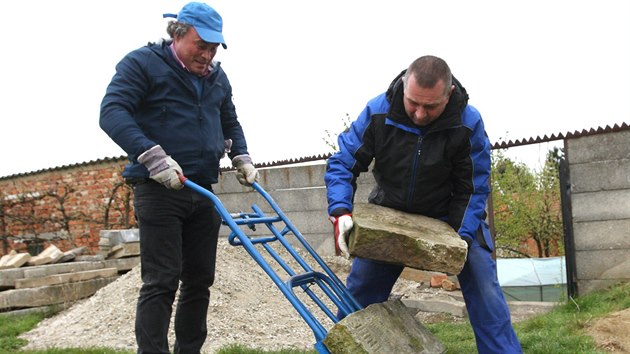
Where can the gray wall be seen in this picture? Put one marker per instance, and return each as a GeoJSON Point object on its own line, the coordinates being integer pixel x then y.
{"type": "Point", "coordinates": [300, 193]}
{"type": "Point", "coordinates": [599, 168]}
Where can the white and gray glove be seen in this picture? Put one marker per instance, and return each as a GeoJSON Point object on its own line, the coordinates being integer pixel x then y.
{"type": "Point", "coordinates": [246, 173]}
{"type": "Point", "coordinates": [162, 168]}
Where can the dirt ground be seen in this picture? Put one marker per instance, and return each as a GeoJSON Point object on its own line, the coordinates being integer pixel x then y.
{"type": "Point", "coordinates": [612, 332]}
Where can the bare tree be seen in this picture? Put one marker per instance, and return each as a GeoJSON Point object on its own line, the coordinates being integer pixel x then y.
{"type": "Point", "coordinates": [119, 200]}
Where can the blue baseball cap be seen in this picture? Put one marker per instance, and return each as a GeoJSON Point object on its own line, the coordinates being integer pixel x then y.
{"type": "Point", "coordinates": [206, 21]}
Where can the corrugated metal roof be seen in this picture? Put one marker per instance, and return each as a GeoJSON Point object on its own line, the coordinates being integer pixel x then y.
{"type": "Point", "coordinates": [498, 145]}
{"type": "Point", "coordinates": [560, 136]}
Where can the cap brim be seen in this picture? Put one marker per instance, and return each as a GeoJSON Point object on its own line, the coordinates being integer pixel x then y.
{"type": "Point", "coordinates": [210, 36]}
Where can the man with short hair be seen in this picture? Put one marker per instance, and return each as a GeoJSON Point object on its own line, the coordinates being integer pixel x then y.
{"type": "Point", "coordinates": [431, 157]}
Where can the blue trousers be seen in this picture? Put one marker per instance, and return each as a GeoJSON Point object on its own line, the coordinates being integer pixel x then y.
{"type": "Point", "coordinates": [372, 282]}
{"type": "Point", "coordinates": [178, 243]}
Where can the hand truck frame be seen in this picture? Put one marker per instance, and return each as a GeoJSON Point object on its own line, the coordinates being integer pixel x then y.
{"type": "Point", "coordinates": [304, 279]}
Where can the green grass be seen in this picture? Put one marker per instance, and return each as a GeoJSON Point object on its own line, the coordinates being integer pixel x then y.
{"type": "Point", "coordinates": [560, 331]}
{"type": "Point", "coordinates": [12, 326]}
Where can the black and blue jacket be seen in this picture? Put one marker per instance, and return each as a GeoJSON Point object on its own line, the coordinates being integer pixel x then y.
{"type": "Point", "coordinates": [152, 100]}
{"type": "Point", "coordinates": [440, 171]}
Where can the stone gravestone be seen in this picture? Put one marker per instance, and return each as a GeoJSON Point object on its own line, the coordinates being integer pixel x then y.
{"type": "Point", "coordinates": [386, 327]}
{"type": "Point", "coordinates": [412, 240]}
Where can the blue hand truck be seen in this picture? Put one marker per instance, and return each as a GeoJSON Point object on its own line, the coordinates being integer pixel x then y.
{"type": "Point", "coordinates": [327, 283]}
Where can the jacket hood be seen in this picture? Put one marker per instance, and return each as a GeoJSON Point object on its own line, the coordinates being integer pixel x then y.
{"type": "Point", "coordinates": [451, 115]}
{"type": "Point", "coordinates": [161, 48]}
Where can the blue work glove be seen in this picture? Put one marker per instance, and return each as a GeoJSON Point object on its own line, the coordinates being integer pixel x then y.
{"type": "Point", "coordinates": [342, 225]}
{"type": "Point", "coordinates": [246, 173]}
{"type": "Point", "coordinates": [162, 168]}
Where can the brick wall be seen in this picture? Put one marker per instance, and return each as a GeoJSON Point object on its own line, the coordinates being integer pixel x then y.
{"type": "Point", "coordinates": [66, 206]}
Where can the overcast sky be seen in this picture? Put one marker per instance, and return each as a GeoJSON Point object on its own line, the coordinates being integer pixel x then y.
{"type": "Point", "coordinates": [297, 68]}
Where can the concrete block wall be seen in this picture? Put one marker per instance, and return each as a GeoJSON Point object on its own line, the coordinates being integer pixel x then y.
{"type": "Point", "coordinates": [299, 192]}
{"type": "Point", "coordinates": [599, 168]}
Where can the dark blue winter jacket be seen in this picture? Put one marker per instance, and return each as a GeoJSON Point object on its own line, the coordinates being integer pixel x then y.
{"type": "Point", "coordinates": [441, 170]}
{"type": "Point", "coordinates": [151, 100]}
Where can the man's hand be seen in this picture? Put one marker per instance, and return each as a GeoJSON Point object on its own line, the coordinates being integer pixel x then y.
{"type": "Point", "coordinates": [342, 225]}
{"type": "Point", "coordinates": [162, 168]}
{"type": "Point", "coordinates": [246, 173]}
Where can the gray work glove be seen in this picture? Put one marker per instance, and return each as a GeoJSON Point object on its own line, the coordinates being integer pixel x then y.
{"type": "Point", "coordinates": [162, 168]}
{"type": "Point", "coordinates": [246, 173]}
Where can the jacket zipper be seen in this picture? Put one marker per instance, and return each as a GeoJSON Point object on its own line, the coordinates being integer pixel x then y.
{"type": "Point", "coordinates": [416, 162]}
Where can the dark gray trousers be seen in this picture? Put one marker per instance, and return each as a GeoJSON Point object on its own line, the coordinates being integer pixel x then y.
{"type": "Point", "coordinates": [178, 243]}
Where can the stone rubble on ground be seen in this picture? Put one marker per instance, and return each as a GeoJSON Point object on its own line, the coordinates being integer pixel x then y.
{"type": "Point", "coordinates": [246, 308]}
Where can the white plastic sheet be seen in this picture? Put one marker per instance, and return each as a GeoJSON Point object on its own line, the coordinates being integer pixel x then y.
{"type": "Point", "coordinates": [531, 271]}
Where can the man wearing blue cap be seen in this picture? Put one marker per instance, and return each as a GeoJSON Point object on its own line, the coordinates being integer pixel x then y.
{"type": "Point", "coordinates": [169, 107]}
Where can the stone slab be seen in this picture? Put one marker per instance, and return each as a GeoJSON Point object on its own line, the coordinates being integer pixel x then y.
{"type": "Point", "coordinates": [386, 327]}
{"type": "Point", "coordinates": [49, 295]}
{"type": "Point", "coordinates": [48, 309]}
{"type": "Point", "coordinates": [444, 304]}
{"type": "Point", "coordinates": [65, 278]}
{"type": "Point", "coordinates": [72, 254]}
{"type": "Point", "coordinates": [51, 254]}
{"type": "Point", "coordinates": [90, 258]}
{"type": "Point", "coordinates": [8, 277]}
{"type": "Point", "coordinates": [59, 268]}
{"type": "Point", "coordinates": [122, 264]}
{"type": "Point", "coordinates": [14, 260]}
{"type": "Point", "coordinates": [114, 237]}
{"type": "Point", "coordinates": [126, 249]}
{"type": "Point", "coordinates": [412, 240]}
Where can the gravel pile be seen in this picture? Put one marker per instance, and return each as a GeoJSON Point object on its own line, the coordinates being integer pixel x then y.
{"type": "Point", "coordinates": [246, 308]}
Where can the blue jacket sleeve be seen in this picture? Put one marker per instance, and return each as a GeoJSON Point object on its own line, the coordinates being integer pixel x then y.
{"type": "Point", "coordinates": [345, 166]}
{"type": "Point", "coordinates": [471, 179]}
{"type": "Point", "coordinates": [124, 94]}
